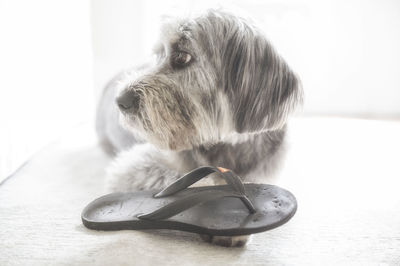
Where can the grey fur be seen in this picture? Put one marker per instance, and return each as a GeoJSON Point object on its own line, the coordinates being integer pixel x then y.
{"type": "Point", "coordinates": [227, 107]}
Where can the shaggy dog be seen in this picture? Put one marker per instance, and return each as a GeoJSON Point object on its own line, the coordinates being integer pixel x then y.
{"type": "Point", "coordinates": [215, 94]}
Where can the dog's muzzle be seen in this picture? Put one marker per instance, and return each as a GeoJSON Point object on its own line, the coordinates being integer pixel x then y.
{"type": "Point", "coordinates": [128, 102]}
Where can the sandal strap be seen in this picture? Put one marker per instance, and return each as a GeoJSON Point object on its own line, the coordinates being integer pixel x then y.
{"type": "Point", "coordinates": [187, 202]}
{"type": "Point", "coordinates": [195, 175]}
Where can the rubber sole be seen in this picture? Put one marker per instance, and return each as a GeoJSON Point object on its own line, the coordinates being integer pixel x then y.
{"type": "Point", "coordinates": [224, 217]}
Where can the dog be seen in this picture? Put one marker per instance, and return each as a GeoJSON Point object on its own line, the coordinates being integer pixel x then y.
{"type": "Point", "coordinates": [215, 93]}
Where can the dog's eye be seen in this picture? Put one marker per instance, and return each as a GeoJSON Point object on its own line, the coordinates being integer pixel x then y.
{"type": "Point", "coordinates": [181, 59]}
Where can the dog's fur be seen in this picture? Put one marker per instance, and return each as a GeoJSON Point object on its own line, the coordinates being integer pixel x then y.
{"type": "Point", "coordinates": [226, 107]}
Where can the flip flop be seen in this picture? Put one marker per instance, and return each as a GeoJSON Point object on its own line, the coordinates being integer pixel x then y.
{"type": "Point", "coordinates": [223, 210]}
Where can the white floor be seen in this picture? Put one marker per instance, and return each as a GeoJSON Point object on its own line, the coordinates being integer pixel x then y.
{"type": "Point", "coordinates": [345, 174]}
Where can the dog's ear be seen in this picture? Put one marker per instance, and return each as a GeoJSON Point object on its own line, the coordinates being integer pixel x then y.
{"type": "Point", "coordinates": [262, 88]}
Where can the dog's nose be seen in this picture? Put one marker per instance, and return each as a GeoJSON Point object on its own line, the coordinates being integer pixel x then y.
{"type": "Point", "coordinates": [128, 101]}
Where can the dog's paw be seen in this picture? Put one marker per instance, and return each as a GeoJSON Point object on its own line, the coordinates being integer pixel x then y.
{"type": "Point", "coordinates": [227, 241]}
{"type": "Point", "coordinates": [140, 168]}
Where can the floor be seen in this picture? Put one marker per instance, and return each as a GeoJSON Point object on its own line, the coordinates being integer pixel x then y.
{"type": "Point", "coordinates": [344, 172]}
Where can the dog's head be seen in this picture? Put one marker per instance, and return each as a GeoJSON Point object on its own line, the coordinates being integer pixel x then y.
{"type": "Point", "coordinates": [214, 75]}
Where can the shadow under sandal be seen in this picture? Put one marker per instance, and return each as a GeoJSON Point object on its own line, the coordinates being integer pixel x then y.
{"type": "Point", "coordinates": [223, 210]}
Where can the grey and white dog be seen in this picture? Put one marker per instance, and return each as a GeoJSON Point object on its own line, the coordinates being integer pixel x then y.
{"type": "Point", "coordinates": [216, 94]}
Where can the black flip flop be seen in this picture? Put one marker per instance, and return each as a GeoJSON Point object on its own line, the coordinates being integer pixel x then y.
{"type": "Point", "coordinates": [224, 210]}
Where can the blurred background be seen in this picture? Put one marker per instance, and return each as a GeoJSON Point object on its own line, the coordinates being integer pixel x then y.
{"type": "Point", "coordinates": [55, 56]}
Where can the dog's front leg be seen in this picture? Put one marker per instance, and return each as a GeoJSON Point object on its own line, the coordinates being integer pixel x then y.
{"type": "Point", "coordinates": [227, 241]}
{"type": "Point", "coordinates": [142, 167]}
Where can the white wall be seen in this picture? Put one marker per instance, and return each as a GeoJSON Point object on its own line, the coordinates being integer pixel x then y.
{"type": "Point", "coordinates": [345, 51]}
{"type": "Point", "coordinates": [45, 74]}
